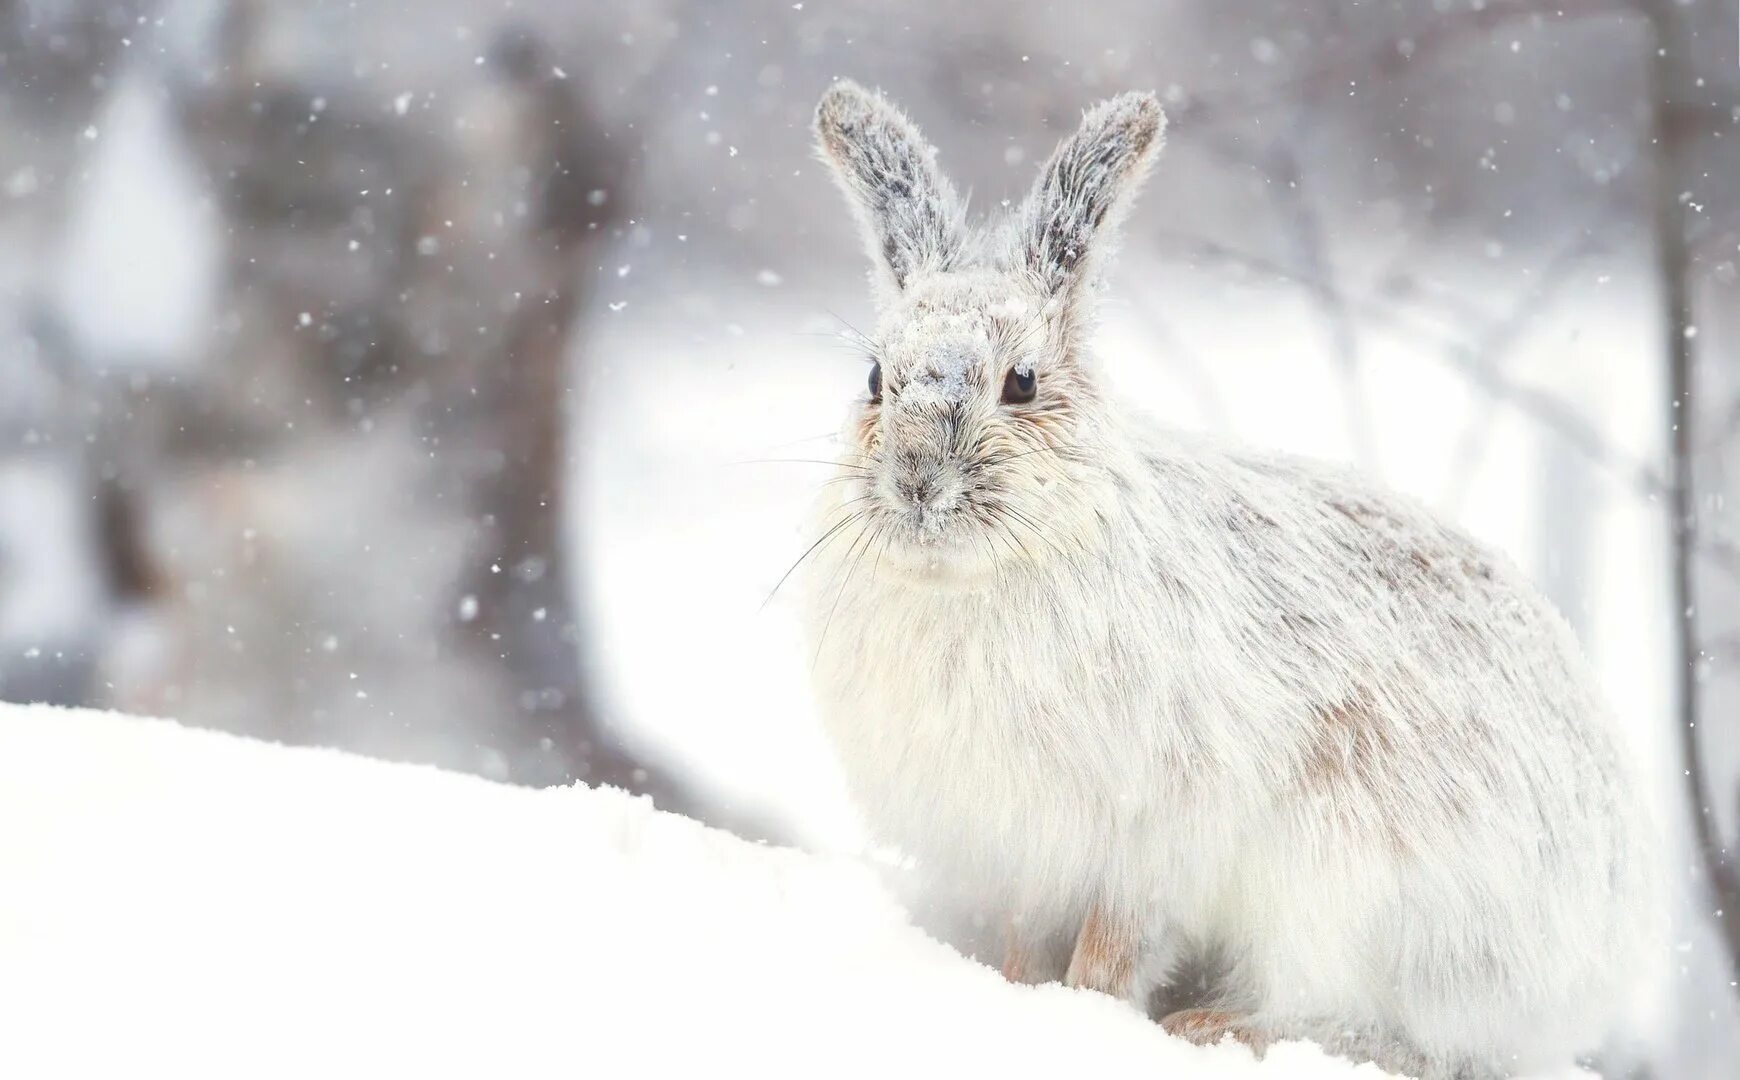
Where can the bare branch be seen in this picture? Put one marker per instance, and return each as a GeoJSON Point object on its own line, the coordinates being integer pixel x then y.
{"type": "Point", "coordinates": [1388, 59]}
{"type": "Point", "coordinates": [1505, 334]}
{"type": "Point", "coordinates": [1668, 79]}
{"type": "Point", "coordinates": [1543, 407]}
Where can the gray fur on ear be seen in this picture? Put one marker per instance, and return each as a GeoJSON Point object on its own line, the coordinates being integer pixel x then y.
{"type": "Point", "coordinates": [1085, 189]}
{"type": "Point", "coordinates": [910, 216]}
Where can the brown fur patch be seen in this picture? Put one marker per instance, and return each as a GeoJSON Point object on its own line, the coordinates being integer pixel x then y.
{"type": "Point", "coordinates": [1105, 954]}
{"type": "Point", "coordinates": [1018, 966]}
{"type": "Point", "coordinates": [1018, 962]}
{"type": "Point", "coordinates": [1349, 762]}
{"type": "Point", "coordinates": [870, 429]}
{"type": "Point", "coordinates": [1350, 743]}
{"type": "Point", "coordinates": [1449, 562]}
{"type": "Point", "coordinates": [1205, 1027]}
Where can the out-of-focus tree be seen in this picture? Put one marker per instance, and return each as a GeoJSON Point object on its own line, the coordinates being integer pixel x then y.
{"type": "Point", "coordinates": [1695, 84]}
{"type": "Point", "coordinates": [343, 523]}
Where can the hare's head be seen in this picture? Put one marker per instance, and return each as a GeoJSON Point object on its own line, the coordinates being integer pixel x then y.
{"type": "Point", "coordinates": [978, 425]}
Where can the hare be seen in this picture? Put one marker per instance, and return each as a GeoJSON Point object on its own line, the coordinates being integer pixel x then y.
{"type": "Point", "coordinates": [1148, 700]}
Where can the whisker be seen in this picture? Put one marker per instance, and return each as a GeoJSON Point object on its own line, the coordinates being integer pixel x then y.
{"type": "Point", "coordinates": [1000, 531]}
{"type": "Point", "coordinates": [840, 571]}
{"type": "Point", "coordinates": [852, 568]}
{"type": "Point", "coordinates": [843, 321]}
{"type": "Point", "coordinates": [1060, 448]}
{"type": "Point", "coordinates": [1034, 528]}
{"type": "Point", "coordinates": [807, 438]}
{"type": "Point", "coordinates": [1021, 343]}
{"type": "Point", "coordinates": [811, 550]}
{"type": "Point", "coordinates": [863, 351]}
{"type": "Point", "coordinates": [869, 347]}
{"type": "Point", "coordinates": [1009, 536]}
{"type": "Point", "coordinates": [798, 461]}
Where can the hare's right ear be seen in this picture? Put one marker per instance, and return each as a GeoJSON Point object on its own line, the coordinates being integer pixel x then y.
{"type": "Point", "coordinates": [906, 208]}
{"type": "Point", "coordinates": [1067, 224]}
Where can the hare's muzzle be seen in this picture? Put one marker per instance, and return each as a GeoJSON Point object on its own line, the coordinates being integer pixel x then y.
{"type": "Point", "coordinates": [922, 480]}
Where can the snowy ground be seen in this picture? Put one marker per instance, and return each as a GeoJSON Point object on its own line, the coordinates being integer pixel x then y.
{"type": "Point", "coordinates": [185, 903]}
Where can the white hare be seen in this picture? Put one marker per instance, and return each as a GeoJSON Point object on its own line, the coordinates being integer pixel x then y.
{"type": "Point", "coordinates": [1151, 700]}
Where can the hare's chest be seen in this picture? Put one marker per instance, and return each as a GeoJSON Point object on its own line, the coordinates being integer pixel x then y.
{"type": "Point", "coordinates": [972, 734]}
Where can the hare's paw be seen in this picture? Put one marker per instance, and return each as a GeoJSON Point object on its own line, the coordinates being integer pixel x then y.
{"type": "Point", "coordinates": [1030, 955]}
{"type": "Point", "coordinates": [1205, 1027]}
{"type": "Point", "coordinates": [1019, 966]}
{"type": "Point", "coordinates": [1107, 951]}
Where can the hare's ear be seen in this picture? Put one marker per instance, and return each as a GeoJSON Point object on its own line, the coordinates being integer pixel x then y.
{"type": "Point", "coordinates": [1068, 221]}
{"type": "Point", "coordinates": [910, 216]}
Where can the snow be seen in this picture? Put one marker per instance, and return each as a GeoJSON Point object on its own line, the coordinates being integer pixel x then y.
{"type": "Point", "coordinates": [176, 898]}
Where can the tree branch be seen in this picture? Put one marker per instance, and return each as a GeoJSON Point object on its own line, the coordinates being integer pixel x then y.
{"type": "Point", "coordinates": [1673, 260]}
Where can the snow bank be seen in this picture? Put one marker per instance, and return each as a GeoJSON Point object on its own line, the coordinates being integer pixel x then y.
{"type": "Point", "coordinates": [183, 903]}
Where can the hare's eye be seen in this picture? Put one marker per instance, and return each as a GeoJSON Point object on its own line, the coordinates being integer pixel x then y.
{"type": "Point", "coordinates": [1019, 386]}
{"type": "Point", "coordinates": [876, 382]}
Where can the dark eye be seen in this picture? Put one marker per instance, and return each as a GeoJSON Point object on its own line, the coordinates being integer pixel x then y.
{"type": "Point", "coordinates": [1018, 386]}
{"type": "Point", "coordinates": [876, 381]}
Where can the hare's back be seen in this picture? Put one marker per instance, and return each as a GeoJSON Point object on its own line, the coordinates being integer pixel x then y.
{"type": "Point", "coordinates": [1390, 630]}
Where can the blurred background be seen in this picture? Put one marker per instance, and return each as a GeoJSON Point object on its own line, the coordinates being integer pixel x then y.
{"type": "Point", "coordinates": [406, 376]}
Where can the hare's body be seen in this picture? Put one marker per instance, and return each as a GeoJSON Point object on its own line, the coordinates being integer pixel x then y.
{"type": "Point", "coordinates": [1149, 698]}
{"type": "Point", "coordinates": [1274, 716]}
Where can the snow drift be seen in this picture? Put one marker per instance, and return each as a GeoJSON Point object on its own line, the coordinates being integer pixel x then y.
{"type": "Point", "coordinates": [199, 905]}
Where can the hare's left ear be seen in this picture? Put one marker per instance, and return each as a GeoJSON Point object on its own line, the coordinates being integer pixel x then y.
{"type": "Point", "coordinates": [911, 219]}
{"type": "Point", "coordinates": [1068, 221]}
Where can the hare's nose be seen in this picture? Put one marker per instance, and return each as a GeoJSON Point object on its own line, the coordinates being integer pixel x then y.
{"type": "Point", "coordinates": [915, 490]}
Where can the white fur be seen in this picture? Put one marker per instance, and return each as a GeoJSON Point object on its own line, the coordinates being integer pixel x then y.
{"type": "Point", "coordinates": [1278, 715]}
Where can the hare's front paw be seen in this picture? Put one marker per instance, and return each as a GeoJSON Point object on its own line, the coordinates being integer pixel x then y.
{"type": "Point", "coordinates": [1205, 1027]}
{"type": "Point", "coordinates": [1029, 956]}
{"type": "Point", "coordinates": [1106, 953]}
